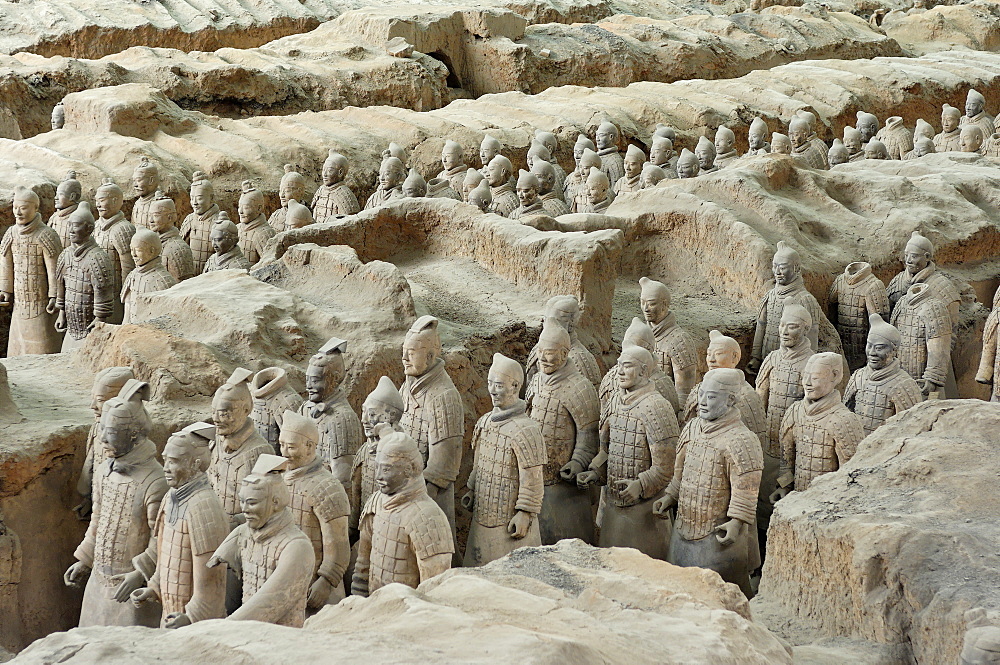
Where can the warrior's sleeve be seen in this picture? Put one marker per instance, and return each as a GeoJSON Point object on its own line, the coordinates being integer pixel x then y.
{"type": "Point", "coordinates": [661, 436]}
{"type": "Point", "coordinates": [273, 600]}
{"type": "Point", "coordinates": [850, 436]}
{"type": "Point", "coordinates": [746, 464]}
{"type": "Point", "coordinates": [833, 298]}
{"type": "Point", "coordinates": [229, 551]}
{"type": "Point", "coordinates": [7, 262]}
{"type": "Point", "coordinates": [988, 358]}
{"type": "Point", "coordinates": [208, 600]}
{"type": "Point", "coordinates": [937, 328]}
{"type": "Point", "coordinates": [359, 583]}
{"type": "Point", "coordinates": [61, 281]}
{"type": "Point", "coordinates": [786, 439]}
{"type": "Point", "coordinates": [763, 383]}
{"type": "Point", "coordinates": [673, 490]}
{"type": "Point", "coordinates": [600, 462]}
{"type": "Point", "coordinates": [757, 351]}
{"type": "Point", "coordinates": [877, 300]}
{"type": "Point", "coordinates": [336, 549]}
{"type": "Point", "coordinates": [852, 390]}
{"type": "Point", "coordinates": [51, 248]}
{"type": "Point", "coordinates": [185, 229]}
{"type": "Point", "coordinates": [585, 409]}
{"type": "Point", "coordinates": [85, 550]}
{"type": "Point", "coordinates": [145, 562]}
{"type": "Point", "coordinates": [122, 241]}
{"type": "Point", "coordinates": [531, 456]}
{"type": "Point", "coordinates": [444, 457]}
{"type": "Point", "coordinates": [104, 285]}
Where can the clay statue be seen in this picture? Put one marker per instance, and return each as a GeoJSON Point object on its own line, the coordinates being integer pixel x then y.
{"type": "Point", "coordinates": [780, 145]}
{"type": "Point", "coordinates": [498, 173]}
{"type": "Point", "coordinates": [237, 443]}
{"type": "Point", "coordinates": [271, 555]}
{"type": "Point", "coordinates": [898, 140]}
{"type": "Point", "coordinates": [189, 527]}
{"type": "Point", "coordinates": [196, 229]}
{"type": "Point", "coordinates": [867, 124]}
{"type": "Point", "coordinates": [453, 165]}
{"type": "Point", "coordinates": [527, 194]}
{"type": "Point", "coordinates": [440, 188]}
{"type": "Point", "coordinates": [852, 141]}
{"type": "Point", "coordinates": [788, 288]}
{"type": "Point", "coordinates": [227, 255]}
{"type": "Point", "coordinates": [810, 119]}
{"type": "Point", "coordinates": [254, 231]}
{"type": "Point", "coordinates": [606, 139]}
{"type": "Point", "coordinates": [818, 433]}
{"type": "Point", "coordinates": [882, 388]}
{"type": "Point", "coordinates": [128, 488]}
{"type": "Point", "coordinates": [687, 164]}
{"type": "Point", "coordinates": [291, 187]}
{"type": "Point", "coordinates": [757, 137]}
{"type": "Point", "coordinates": [806, 153]}
{"type": "Point", "coordinates": [919, 268]}
{"type": "Point", "coordinates": [551, 198]}
{"type": "Point", "coordinates": [925, 350]}
{"type": "Point", "coordinates": [948, 140]}
{"type": "Point", "coordinates": [473, 179]}
{"type": "Point", "coordinates": [565, 310]}
{"type": "Point", "coordinates": [665, 131]}
{"type": "Point", "coordinates": [725, 352]}
{"type": "Point", "coordinates": [383, 406]}
{"type": "Point", "coordinates": [145, 183]}
{"type": "Point", "coordinates": [988, 367]}
{"type": "Point", "coordinates": [638, 435]}
{"type": "Point", "coordinates": [779, 384]}
{"type": "Point", "coordinates": [921, 146]}
{"type": "Point", "coordinates": [433, 413]}
{"type": "Point", "coordinates": [68, 195]}
{"type": "Point", "coordinates": [84, 281]}
{"type": "Point", "coordinates": [29, 252]}
{"type": "Point", "coordinates": [176, 254]}
{"type": "Point", "coordinates": [855, 295]}
{"type": "Point", "coordinates": [725, 147]}
{"type": "Point", "coordinates": [675, 352]}
{"type": "Point", "coordinates": [923, 129]}
{"type": "Point", "coordinates": [875, 149]}
{"type": "Point", "coordinates": [837, 154]}
{"type": "Point", "coordinates": [971, 138]}
{"type": "Point", "coordinates": [272, 396]}
{"type": "Point", "coordinates": [149, 274]}
{"type": "Point", "coordinates": [537, 151]}
{"type": "Point", "coordinates": [639, 333]}
{"type": "Point", "coordinates": [714, 487]}
{"type": "Point", "coordinates": [334, 197]}
{"type": "Point", "coordinates": [981, 646]}
{"type": "Point", "coordinates": [565, 404]}
{"type": "Point", "coordinates": [577, 181]}
{"type": "Point", "coordinates": [634, 161]}
{"type": "Point", "coordinates": [414, 186]}
{"type": "Point", "coordinates": [573, 181]}
{"type": "Point", "coordinates": [58, 118]}
{"type": "Point", "coordinates": [481, 197]}
{"type": "Point", "coordinates": [651, 176]}
{"type": "Point", "coordinates": [395, 150]}
{"type": "Point", "coordinates": [550, 141]}
{"type": "Point", "coordinates": [113, 233]}
{"type": "Point", "coordinates": [340, 433]}
{"type": "Point", "coordinates": [405, 536]}
{"type": "Point", "coordinates": [975, 113]}
{"type": "Point", "coordinates": [320, 508]}
{"type": "Point", "coordinates": [391, 175]}
{"type": "Point", "coordinates": [705, 152]}
{"type": "Point", "coordinates": [298, 215]}
{"type": "Point", "coordinates": [107, 384]}
{"type": "Point", "coordinates": [599, 194]}
{"type": "Point", "coordinates": [505, 485]}
{"type": "Point", "coordinates": [488, 149]}
{"type": "Point", "coordinates": [661, 153]}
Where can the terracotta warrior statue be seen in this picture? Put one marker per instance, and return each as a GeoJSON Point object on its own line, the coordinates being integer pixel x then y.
{"type": "Point", "coordinates": [806, 153]}
{"type": "Point", "coordinates": [725, 147]}
{"type": "Point", "coordinates": [855, 295]}
{"type": "Point", "coordinates": [498, 173]}
{"type": "Point", "coordinates": [227, 253]}
{"type": "Point", "coordinates": [599, 194]}
{"type": "Point", "coordinates": [297, 216]}
{"type": "Point", "coordinates": [675, 351]}
{"type": "Point", "coordinates": [780, 144]}
{"type": "Point", "coordinates": [875, 149]}
{"type": "Point", "coordinates": [837, 154]}
{"type": "Point", "coordinates": [68, 195]}
{"type": "Point", "coordinates": [196, 229]}
{"type": "Point", "coordinates": [925, 350]}
{"type": "Point", "coordinates": [292, 187]}
{"type": "Point", "coordinates": [923, 129]}
{"type": "Point", "coordinates": [414, 187]}
{"type": "Point", "coordinates": [919, 268]}
{"type": "Point", "coordinates": [757, 137]}
{"type": "Point", "coordinates": [453, 165]}
{"type": "Point", "coordinates": [634, 161]}
{"type": "Point", "coordinates": [383, 406]}
{"type": "Point", "coordinates": [662, 154]}
{"type": "Point", "coordinates": [551, 198]}
{"type": "Point", "coordinates": [606, 139]}
{"type": "Point", "coordinates": [948, 140]}
{"type": "Point", "coordinates": [473, 178]}
{"type": "Point", "coordinates": [391, 175]}
{"type": "Point", "coordinates": [488, 149]}
{"type": "Point", "coordinates": [84, 281]}
{"type": "Point", "coordinates": [506, 483]}
{"type": "Point", "coordinates": [921, 146]}
{"type": "Point", "coordinates": [687, 164]}
{"type": "Point", "coordinates": [867, 124]}
{"type": "Point", "coordinates": [128, 488]}
{"type": "Point", "coordinates": [145, 183]}
{"type": "Point", "coordinates": [527, 194]}
{"type": "Point", "coordinates": [975, 113]}
{"type": "Point", "coordinates": [705, 153]}
{"type": "Point", "coordinates": [58, 118]}
{"type": "Point", "coordinates": [320, 508]}
{"type": "Point", "coordinates": [440, 188]}
{"type": "Point", "coordinates": [565, 310]}
{"type": "Point", "coordinates": [395, 150]}
{"type": "Point", "coordinates": [971, 139]}
{"type": "Point", "coordinates": [433, 412]}
{"type": "Point", "coordinates": [788, 288]}
{"type": "Point", "coordinates": [852, 143]}
{"type": "Point", "coordinates": [176, 254]}
{"type": "Point", "coordinates": [779, 385]}
{"type": "Point", "coordinates": [716, 477]}
{"type": "Point", "coordinates": [578, 180]}
{"type": "Point", "coordinates": [29, 252]}
{"type": "Point", "coordinates": [481, 197]}
{"type": "Point", "coordinates": [405, 536]}
{"type": "Point", "coordinates": [113, 233]}
{"type": "Point", "coordinates": [537, 151]}
{"type": "Point", "coordinates": [271, 556]}
{"type": "Point", "coordinates": [149, 274]}
{"type": "Point", "coordinates": [898, 140]}
{"type": "Point", "coordinates": [725, 352]}
{"type": "Point", "coordinates": [550, 141]}
{"type": "Point", "coordinates": [818, 433]}
{"type": "Point", "coordinates": [639, 333]}
{"type": "Point", "coordinates": [988, 366]}
{"type": "Point", "coordinates": [237, 443]}
{"type": "Point", "coordinates": [810, 119]}
{"type": "Point", "coordinates": [651, 176]}
{"type": "Point", "coordinates": [334, 197]}
{"type": "Point", "coordinates": [565, 404]}
{"type": "Point", "coordinates": [190, 526]}
{"type": "Point", "coordinates": [882, 388]}
{"type": "Point", "coordinates": [253, 227]}
{"type": "Point", "coordinates": [107, 384]}
{"type": "Point", "coordinates": [638, 435]}
{"type": "Point", "coordinates": [272, 396]}
{"type": "Point", "coordinates": [575, 179]}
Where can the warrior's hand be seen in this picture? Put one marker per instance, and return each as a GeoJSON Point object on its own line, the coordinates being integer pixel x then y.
{"type": "Point", "coordinates": [129, 583]}
{"type": "Point", "coordinates": [630, 490]}
{"type": "Point", "coordinates": [432, 490]}
{"type": "Point", "coordinates": [570, 471]}
{"type": "Point", "coordinates": [77, 574]}
{"type": "Point", "coordinates": [6, 299]}
{"type": "Point", "coordinates": [753, 366]}
{"type": "Point", "coordinates": [728, 532]}
{"type": "Point", "coordinates": [927, 386]}
{"type": "Point", "coordinates": [50, 308]}
{"type": "Point", "coordinates": [177, 620]}
{"type": "Point", "coordinates": [984, 379]}
{"type": "Point", "coordinates": [319, 592]}
{"type": "Point", "coordinates": [519, 525]}
{"type": "Point", "coordinates": [587, 478]}
{"type": "Point", "coordinates": [140, 596]}
{"type": "Point", "coordinates": [662, 506]}
{"type": "Point", "coordinates": [61, 322]}
{"type": "Point", "coordinates": [469, 500]}
{"type": "Point", "coordinates": [777, 495]}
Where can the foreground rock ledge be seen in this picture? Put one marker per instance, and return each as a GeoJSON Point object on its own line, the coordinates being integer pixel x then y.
{"type": "Point", "coordinates": [568, 603]}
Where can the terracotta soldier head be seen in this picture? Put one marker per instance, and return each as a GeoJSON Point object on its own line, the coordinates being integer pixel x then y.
{"type": "Point", "coordinates": [810, 119]}
{"type": "Point", "coordinates": [875, 149]}
{"type": "Point", "coordinates": [451, 155]}
{"type": "Point", "coordinates": [687, 164]}
{"type": "Point", "coordinates": [81, 225]}
{"type": "Point", "coordinates": [634, 160]}
{"type": "Point", "coordinates": [383, 405]}
{"type": "Point", "coordinates": [883, 340]}
{"type": "Point", "coordinates": [665, 131]}
{"type": "Point", "coordinates": [780, 144]}
{"type": "Point", "coordinates": [661, 151]}
{"type": "Point", "coordinates": [299, 439]}
{"type": "Point", "coordinates": [852, 140]}
{"type": "Point", "coordinates": [718, 391]}
{"type": "Point", "coordinates": [822, 374]}
{"type": "Point", "coordinates": [838, 153]}
{"type": "Point", "coordinates": [498, 171]}
{"type": "Point", "coordinates": [639, 333]}
{"type": "Point", "coordinates": [950, 118]}
{"type": "Point", "coordinates": [224, 234]}
{"type": "Point", "coordinates": [414, 187]}
{"type": "Point", "coordinates": [918, 253]}
{"type": "Point", "coordinates": [923, 129]}
{"type": "Point", "coordinates": [582, 144]}
{"type": "Point", "coordinates": [25, 205]}
{"type": "Point", "coordinates": [504, 381]}
{"type": "Point", "coordinates": [527, 188]}
{"type": "Point", "coordinates": [867, 124]}
{"type": "Point", "coordinates": [124, 421]}
{"type": "Point", "coordinates": [725, 140]}
{"type": "Point", "coordinates": [537, 151]}
{"type": "Point", "coordinates": [292, 186]}
{"type": "Point", "coordinates": [565, 310]}
{"type": "Point", "coordinates": [145, 246]}
{"type": "Point", "coordinates": [334, 168]}
{"type": "Point", "coordinates": [923, 146]}
{"type": "Point", "coordinates": [547, 139]}
{"type": "Point", "coordinates": [145, 178]}
{"type": "Point", "coordinates": [187, 454]}
{"type": "Point", "coordinates": [251, 204]}
{"type": "Point", "coordinates": [635, 366]}
{"type": "Point", "coordinates": [326, 370]}
{"type": "Point", "coordinates": [108, 199]}
{"type": "Point", "coordinates": [786, 264]}
{"type": "Point", "coordinates": [598, 186]}
{"type": "Point", "coordinates": [607, 136]}
{"type": "Point", "coordinates": [421, 346]}
{"type": "Point", "coordinates": [705, 152]}
{"type": "Point", "coordinates": [232, 403]}
{"type": "Point", "coordinates": [58, 117]}
{"type": "Point", "coordinates": [68, 192]}
{"type": "Point", "coordinates": [974, 103]}
{"type": "Point", "coordinates": [397, 462]}
{"type": "Point", "coordinates": [553, 347]}
{"type": "Point", "coordinates": [757, 135]}
{"type": "Point", "coordinates": [395, 150]}
{"type": "Point", "coordinates": [651, 175]}
{"type": "Point", "coordinates": [391, 173]}
{"type": "Point", "coordinates": [798, 132]}
{"type": "Point", "coordinates": [481, 197]}
{"type": "Point", "coordinates": [298, 215]}
{"type": "Point", "coordinates": [263, 493]}
{"type": "Point", "coordinates": [654, 300]}
{"type": "Point", "coordinates": [546, 175]}
{"type": "Point", "coordinates": [107, 384]}
{"type": "Point", "coordinates": [202, 193]}
{"type": "Point", "coordinates": [971, 138]}
{"type": "Point", "coordinates": [488, 149]}
{"type": "Point", "coordinates": [162, 213]}
{"type": "Point", "coordinates": [589, 160]}
{"type": "Point", "coordinates": [722, 351]}
{"type": "Point", "coordinates": [795, 324]}
{"type": "Point", "coordinates": [472, 179]}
